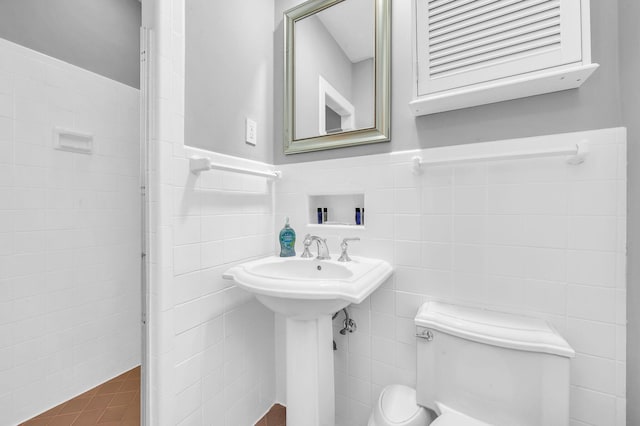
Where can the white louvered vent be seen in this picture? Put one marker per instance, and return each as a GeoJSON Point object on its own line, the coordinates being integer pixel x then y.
{"type": "Point", "coordinates": [461, 43]}
{"type": "Point", "coordinates": [480, 33]}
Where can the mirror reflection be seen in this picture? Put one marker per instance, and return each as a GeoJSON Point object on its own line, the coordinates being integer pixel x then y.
{"type": "Point", "coordinates": [337, 68]}
{"type": "Point", "coordinates": [334, 70]}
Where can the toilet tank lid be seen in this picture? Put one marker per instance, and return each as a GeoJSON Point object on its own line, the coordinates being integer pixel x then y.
{"type": "Point", "coordinates": [494, 328]}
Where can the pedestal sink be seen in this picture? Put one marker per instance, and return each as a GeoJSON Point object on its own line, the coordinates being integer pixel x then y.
{"type": "Point", "coordinates": [307, 292]}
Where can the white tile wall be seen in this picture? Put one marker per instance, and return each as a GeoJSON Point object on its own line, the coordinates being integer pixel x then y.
{"type": "Point", "coordinates": [211, 344]}
{"type": "Point", "coordinates": [537, 237]}
{"type": "Point", "coordinates": [69, 233]}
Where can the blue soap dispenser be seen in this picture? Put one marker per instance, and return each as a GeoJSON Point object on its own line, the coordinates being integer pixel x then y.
{"type": "Point", "coordinates": [287, 240]}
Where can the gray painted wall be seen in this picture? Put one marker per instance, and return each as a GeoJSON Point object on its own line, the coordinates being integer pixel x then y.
{"type": "Point", "coordinates": [229, 76]}
{"type": "Point", "coordinates": [595, 105]}
{"type": "Point", "coordinates": [102, 36]}
{"type": "Point", "coordinates": [629, 12]}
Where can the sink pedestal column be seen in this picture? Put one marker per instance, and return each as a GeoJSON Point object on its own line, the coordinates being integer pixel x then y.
{"type": "Point", "coordinates": [310, 383]}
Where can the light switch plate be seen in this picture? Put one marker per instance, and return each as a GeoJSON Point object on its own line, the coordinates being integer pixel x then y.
{"type": "Point", "coordinates": [251, 132]}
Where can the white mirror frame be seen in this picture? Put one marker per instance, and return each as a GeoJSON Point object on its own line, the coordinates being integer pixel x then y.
{"type": "Point", "coordinates": [381, 130]}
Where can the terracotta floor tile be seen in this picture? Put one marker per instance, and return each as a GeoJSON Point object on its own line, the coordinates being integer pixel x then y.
{"type": "Point", "coordinates": [112, 414]}
{"type": "Point", "coordinates": [92, 407]}
{"type": "Point", "coordinates": [121, 378]}
{"type": "Point", "coordinates": [133, 411]}
{"type": "Point", "coordinates": [277, 415]}
{"type": "Point", "coordinates": [123, 398]}
{"type": "Point", "coordinates": [88, 418]}
{"type": "Point", "coordinates": [89, 393]}
{"type": "Point", "coordinates": [130, 385]}
{"type": "Point", "coordinates": [52, 412]}
{"type": "Point", "coordinates": [109, 387]}
{"type": "Point", "coordinates": [64, 420]}
{"type": "Point", "coordinates": [99, 402]}
{"type": "Point", "coordinates": [75, 405]}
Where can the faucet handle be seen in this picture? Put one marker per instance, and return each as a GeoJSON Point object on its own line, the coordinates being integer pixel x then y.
{"type": "Point", "coordinates": [344, 257]}
{"type": "Point", "coordinates": [307, 243]}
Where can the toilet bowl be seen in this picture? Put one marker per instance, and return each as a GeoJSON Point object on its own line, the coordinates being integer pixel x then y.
{"type": "Point", "coordinates": [397, 407]}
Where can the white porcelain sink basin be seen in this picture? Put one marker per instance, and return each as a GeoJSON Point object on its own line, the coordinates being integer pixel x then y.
{"type": "Point", "coordinates": [309, 288]}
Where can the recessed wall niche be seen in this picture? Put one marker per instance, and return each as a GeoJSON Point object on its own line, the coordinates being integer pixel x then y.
{"type": "Point", "coordinates": [337, 209]}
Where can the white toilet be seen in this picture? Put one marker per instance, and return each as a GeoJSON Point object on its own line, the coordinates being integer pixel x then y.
{"type": "Point", "coordinates": [480, 368]}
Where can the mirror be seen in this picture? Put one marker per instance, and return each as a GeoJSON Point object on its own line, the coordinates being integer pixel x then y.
{"type": "Point", "coordinates": [337, 74]}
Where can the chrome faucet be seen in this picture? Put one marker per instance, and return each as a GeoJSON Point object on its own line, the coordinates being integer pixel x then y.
{"type": "Point", "coordinates": [323, 250]}
{"type": "Point", "coordinates": [344, 257]}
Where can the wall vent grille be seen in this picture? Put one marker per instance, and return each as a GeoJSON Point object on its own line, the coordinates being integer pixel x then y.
{"type": "Point", "coordinates": [465, 35]}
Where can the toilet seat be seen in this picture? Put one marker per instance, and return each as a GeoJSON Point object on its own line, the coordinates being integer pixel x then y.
{"type": "Point", "coordinates": [397, 407]}
{"type": "Point", "coordinates": [398, 404]}
{"type": "Point", "coordinates": [451, 417]}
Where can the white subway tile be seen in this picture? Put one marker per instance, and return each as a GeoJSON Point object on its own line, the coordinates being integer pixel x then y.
{"type": "Point", "coordinates": [212, 254]}
{"type": "Point", "coordinates": [470, 174]}
{"type": "Point", "coordinates": [406, 356]}
{"type": "Point", "coordinates": [621, 379]}
{"type": "Point", "coordinates": [360, 367]}
{"type": "Point", "coordinates": [382, 226]}
{"type": "Point", "coordinates": [383, 350]}
{"type": "Point", "coordinates": [385, 202]}
{"type": "Point", "coordinates": [505, 230]}
{"type": "Point", "coordinates": [437, 229]}
{"type": "Point", "coordinates": [545, 296]}
{"type": "Point", "coordinates": [437, 176]}
{"type": "Point", "coordinates": [470, 287]}
{"type": "Point", "coordinates": [506, 199]}
{"type": "Point", "coordinates": [504, 260]}
{"type": "Point", "coordinates": [469, 258]}
{"type": "Point", "coordinates": [404, 178]}
{"type": "Point", "coordinates": [470, 200]}
{"type": "Point", "coordinates": [406, 201]}
{"type": "Point", "coordinates": [383, 301]}
{"type": "Point", "coordinates": [593, 233]}
{"type": "Point", "coordinates": [406, 331]}
{"type": "Point", "coordinates": [545, 264]}
{"type": "Point", "coordinates": [580, 335]}
{"type": "Point", "coordinates": [598, 374]}
{"type": "Point", "coordinates": [592, 407]}
{"type": "Point", "coordinates": [597, 198]}
{"type": "Point", "coordinates": [408, 253]}
{"type": "Point", "coordinates": [621, 343]}
{"type": "Point", "coordinates": [437, 200]}
{"type": "Point", "coordinates": [437, 256]}
{"type": "Point", "coordinates": [383, 325]}
{"type": "Point", "coordinates": [505, 291]}
{"type": "Point", "coordinates": [545, 231]}
{"type": "Point", "coordinates": [470, 229]}
{"type": "Point", "coordinates": [186, 258]}
{"type": "Point", "coordinates": [186, 230]}
{"type": "Point", "coordinates": [591, 267]}
{"type": "Point", "coordinates": [360, 344]}
{"type": "Point", "coordinates": [591, 303]}
{"type": "Point", "coordinates": [407, 227]}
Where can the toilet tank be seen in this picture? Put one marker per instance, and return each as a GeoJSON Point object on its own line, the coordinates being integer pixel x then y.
{"type": "Point", "coordinates": [498, 368]}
